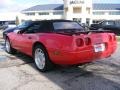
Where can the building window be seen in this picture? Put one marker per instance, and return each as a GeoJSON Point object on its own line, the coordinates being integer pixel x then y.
{"type": "Point", "coordinates": [66, 9]}
{"type": "Point", "coordinates": [88, 10]}
{"type": "Point", "coordinates": [77, 10]}
{"type": "Point", "coordinates": [43, 13]}
{"type": "Point", "coordinates": [58, 13]}
{"type": "Point", "coordinates": [114, 13]}
{"type": "Point", "coordinates": [30, 14]}
{"type": "Point", "coordinates": [98, 13]}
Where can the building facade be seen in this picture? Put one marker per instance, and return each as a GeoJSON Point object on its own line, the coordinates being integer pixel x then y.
{"type": "Point", "coordinates": [83, 11]}
{"type": "Point", "coordinates": [105, 12]}
{"type": "Point", "coordinates": [77, 10]}
{"type": "Point", "coordinates": [43, 12]}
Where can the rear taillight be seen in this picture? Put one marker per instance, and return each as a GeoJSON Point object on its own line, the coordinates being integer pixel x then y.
{"type": "Point", "coordinates": [79, 42]}
{"type": "Point", "coordinates": [112, 38]}
{"type": "Point", "coordinates": [87, 41]}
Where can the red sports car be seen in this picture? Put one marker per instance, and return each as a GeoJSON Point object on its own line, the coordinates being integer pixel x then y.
{"type": "Point", "coordinates": [60, 42]}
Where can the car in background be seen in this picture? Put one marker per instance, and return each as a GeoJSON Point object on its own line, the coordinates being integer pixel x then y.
{"type": "Point", "coordinates": [3, 25]}
{"type": "Point", "coordinates": [7, 24]}
{"type": "Point", "coordinates": [60, 42]}
{"type": "Point", "coordinates": [111, 25]}
{"type": "Point", "coordinates": [22, 26]}
{"type": "Point", "coordinates": [11, 24]}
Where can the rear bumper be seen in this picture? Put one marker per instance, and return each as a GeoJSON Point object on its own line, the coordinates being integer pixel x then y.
{"type": "Point", "coordinates": [78, 57]}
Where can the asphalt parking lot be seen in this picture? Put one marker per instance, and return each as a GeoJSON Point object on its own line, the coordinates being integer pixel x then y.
{"type": "Point", "coordinates": [18, 72]}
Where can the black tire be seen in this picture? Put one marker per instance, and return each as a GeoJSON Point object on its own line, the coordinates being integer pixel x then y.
{"type": "Point", "coordinates": [48, 65]}
{"type": "Point", "coordinates": [10, 50]}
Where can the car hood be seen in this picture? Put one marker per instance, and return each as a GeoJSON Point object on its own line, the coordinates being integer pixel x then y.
{"type": "Point", "coordinates": [9, 29]}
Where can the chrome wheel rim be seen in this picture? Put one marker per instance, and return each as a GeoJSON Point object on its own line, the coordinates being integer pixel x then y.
{"type": "Point", "coordinates": [40, 58]}
{"type": "Point", "coordinates": [7, 45]}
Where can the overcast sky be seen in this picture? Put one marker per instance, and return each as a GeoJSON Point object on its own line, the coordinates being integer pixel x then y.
{"type": "Point", "coordinates": [18, 5]}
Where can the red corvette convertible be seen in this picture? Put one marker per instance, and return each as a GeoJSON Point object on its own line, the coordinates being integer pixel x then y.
{"type": "Point", "coordinates": [60, 42]}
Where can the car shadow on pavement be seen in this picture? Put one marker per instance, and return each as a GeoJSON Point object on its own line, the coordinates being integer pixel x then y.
{"type": "Point", "coordinates": [75, 78]}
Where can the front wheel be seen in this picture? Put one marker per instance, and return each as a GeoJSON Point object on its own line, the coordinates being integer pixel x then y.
{"type": "Point", "coordinates": [8, 47]}
{"type": "Point", "coordinates": [42, 59]}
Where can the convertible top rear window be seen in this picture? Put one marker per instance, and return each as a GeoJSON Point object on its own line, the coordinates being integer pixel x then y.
{"type": "Point", "coordinates": [66, 26]}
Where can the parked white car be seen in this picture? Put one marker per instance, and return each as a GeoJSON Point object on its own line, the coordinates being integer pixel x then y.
{"type": "Point", "coordinates": [11, 24]}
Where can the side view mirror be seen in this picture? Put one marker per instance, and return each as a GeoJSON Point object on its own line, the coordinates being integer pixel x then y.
{"type": "Point", "coordinates": [17, 31]}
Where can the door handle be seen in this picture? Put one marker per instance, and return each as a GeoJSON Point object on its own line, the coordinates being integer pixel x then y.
{"type": "Point", "coordinates": [29, 37]}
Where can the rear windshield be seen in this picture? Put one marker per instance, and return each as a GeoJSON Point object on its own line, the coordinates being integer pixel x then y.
{"type": "Point", "coordinates": [67, 26]}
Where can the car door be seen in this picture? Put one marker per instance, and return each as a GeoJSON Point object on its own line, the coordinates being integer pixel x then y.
{"type": "Point", "coordinates": [25, 40]}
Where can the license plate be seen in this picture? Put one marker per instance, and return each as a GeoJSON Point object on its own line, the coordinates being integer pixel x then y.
{"type": "Point", "coordinates": [99, 47]}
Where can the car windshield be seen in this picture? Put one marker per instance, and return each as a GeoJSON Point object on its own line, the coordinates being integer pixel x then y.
{"type": "Point", "coordinates": [67, 26]}
{"type": "Point", "coordinates": [24, 24]}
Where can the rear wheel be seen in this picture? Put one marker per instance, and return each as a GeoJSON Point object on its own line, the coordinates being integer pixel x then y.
{"type": "Point", "coordinates": [8, 47]}
{"type": "Point", "coordinates": [42, 59]}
